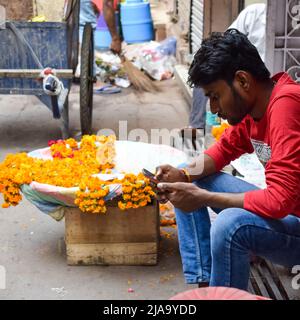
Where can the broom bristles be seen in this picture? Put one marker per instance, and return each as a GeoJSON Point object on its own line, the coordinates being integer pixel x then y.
{"type": "Point", "coordinates": [138, 79]}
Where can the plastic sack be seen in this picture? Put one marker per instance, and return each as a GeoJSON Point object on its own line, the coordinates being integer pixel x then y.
{"type": "Point", "coordinates": [158, 59]}
{"type": "Point", "coordinates": [168, 47]}
{"type": "Point", "coordinates": [249, 166]}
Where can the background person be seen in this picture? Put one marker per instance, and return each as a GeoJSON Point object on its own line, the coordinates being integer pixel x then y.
{"type": "Point", "coordinates": [89, 12]}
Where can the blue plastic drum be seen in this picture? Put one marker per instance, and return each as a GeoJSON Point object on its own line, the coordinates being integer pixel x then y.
{"type": "Point", "coordinates": [136, 20]}
{"type": "Point", "coordinates": [102, 35]}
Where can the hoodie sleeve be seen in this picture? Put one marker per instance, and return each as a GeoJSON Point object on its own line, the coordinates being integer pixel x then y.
{"type": "Point", "coordinates": [234, 142]}
{"type": "Point", "coordinates": [281, 196]}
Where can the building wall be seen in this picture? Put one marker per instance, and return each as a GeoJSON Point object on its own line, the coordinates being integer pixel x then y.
{"type": "Point", "coordinates": [20, 10]}
{"type": "Point", "coordinates": [219, 14]}
{"type": "Point", "coordinates": [180, 26]}
{"type": "Point", "coordinates": [23, 10]}
{"type": "Point", "coordinates": [184, 9]}
{"type": "Point", "coordinates": [283, 37]}
{"type": "Point", "coordinates": [248, 2]}
{"type": "Point", "coordinates": [53, 10]}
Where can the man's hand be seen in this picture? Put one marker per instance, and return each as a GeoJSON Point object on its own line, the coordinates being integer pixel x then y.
{"type": "Point", "coordinates": [116, 45]}
{"type": "Point", "coordinates": [184, 196]}
{"type": "Point", "coordinates": [168, 173]}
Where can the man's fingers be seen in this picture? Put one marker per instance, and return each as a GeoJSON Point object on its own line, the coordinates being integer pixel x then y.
{"type": "Point", "coordinates": [161, 197]}
{"type": "Point", "coordinates": [169, 187]}
{"type": "Point", "coordinates": [163, 201]}
{"type": "Point", "coordinates": [164, 187]}
{"type": "Point", "coordinates": [159, 172]}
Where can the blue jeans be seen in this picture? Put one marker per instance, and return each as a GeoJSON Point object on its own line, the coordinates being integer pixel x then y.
{"type": "Point", "coordinates": [220, 253]}
{"type": "Point", "coordinates": [198, 111]}
{"type": "Point", "coordinates": [87, 15]}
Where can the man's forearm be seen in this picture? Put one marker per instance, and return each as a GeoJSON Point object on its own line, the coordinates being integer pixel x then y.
{"type": "Point", "coordinates": [225, 200]}
{"type": "Point", "coordinates": [109, 15]}
{"type": "Point", "coordinates": [202, 167]}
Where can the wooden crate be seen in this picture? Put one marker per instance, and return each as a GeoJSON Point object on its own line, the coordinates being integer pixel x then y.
{"type": "Point", "coordinates": [117, 238]}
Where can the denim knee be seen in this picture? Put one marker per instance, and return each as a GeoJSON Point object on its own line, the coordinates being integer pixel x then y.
{"type": "Point", "coordinates": [225, 227]}
{"type": "Point", "coordinates": [229, 234]}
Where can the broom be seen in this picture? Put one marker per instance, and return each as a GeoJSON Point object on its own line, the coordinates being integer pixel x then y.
{"type": "Point", "coordinates": [138, 79]}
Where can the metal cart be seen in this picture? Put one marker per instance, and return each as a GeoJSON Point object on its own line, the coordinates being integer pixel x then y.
{"type": "Point", "coordinates": [41, 58]}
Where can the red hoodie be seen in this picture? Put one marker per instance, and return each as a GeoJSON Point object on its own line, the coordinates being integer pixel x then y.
{"type": "Point", "coordinates": [276, 141]}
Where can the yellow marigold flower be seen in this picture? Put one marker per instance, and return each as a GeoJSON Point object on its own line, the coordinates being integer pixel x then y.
{"type": "Point", "coordinates": [126, 189]}
{"type": "Point", "coordinates": [121, 205]}
{"type": "Point", "coordinates": [126, 197]}
{"type": "Point", "coordinates": [143, 203]}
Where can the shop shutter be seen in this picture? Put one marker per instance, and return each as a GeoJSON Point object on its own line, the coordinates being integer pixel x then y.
{"type": "Point", "coordinates": [197, 18]}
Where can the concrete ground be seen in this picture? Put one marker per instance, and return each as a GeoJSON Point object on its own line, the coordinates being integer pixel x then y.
{"type": "Point", "coordinates": [32, 244]}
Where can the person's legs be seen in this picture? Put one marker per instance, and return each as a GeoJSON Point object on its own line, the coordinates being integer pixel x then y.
{"type": "Point", "coordinates": [194, 244]}
{"type": "Point", "coordinates": [194, 229]}
{"type": "Point", "coordinates": [86, 15]}
{"type": "Point", "coordinates": [237, 233]}
{"type": "Point", "coordinates": [198, 111]}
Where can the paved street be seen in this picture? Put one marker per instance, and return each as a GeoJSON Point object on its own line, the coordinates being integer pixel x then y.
{"type": "Point", "coordinates": [32, 244]}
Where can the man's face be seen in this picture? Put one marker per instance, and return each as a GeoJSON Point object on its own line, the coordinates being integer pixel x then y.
{"type": "Point", "coordinates": [231, 103]}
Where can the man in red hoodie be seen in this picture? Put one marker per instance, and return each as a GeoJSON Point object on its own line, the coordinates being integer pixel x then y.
{"type": "Point", "coordinates": [265, 116]}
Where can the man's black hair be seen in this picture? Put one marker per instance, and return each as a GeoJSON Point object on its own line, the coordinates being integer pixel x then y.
{"type": "Point", "coordinates": [222, 55]}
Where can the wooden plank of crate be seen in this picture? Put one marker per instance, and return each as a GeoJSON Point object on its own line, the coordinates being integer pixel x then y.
{"type": "Point", "coordinates": [271, 282]}
{"type": "Point", "coordinates": [253, 287]}
{"type": "Point", "coordinates": [257, 282]}
{"type": "Point", "coordinates": [250, 287]}
{"type": "Point", "coordinates": [116, 226]}
{"type": "Point", "coordinates": [112, 254]}
{"type": "Point", "coordinates": [285, 280]}
{"type": "Point", "coordinates": [33, 73]}
{"type": "Point", "coordinates": [118, 237]}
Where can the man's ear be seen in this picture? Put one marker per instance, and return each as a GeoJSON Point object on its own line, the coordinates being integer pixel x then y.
{"type": "Point", "coordinates": [243, 80]}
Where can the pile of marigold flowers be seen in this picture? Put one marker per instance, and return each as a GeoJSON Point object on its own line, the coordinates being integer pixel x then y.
{"type": "Point", "coordinates": [92, 192]}
{"type": "Point", "coordinates": [136, 192]}
{"type": "Point", "coordinates": [73, 165]}
{"type": "Point", "coordinates": [218, 131]}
